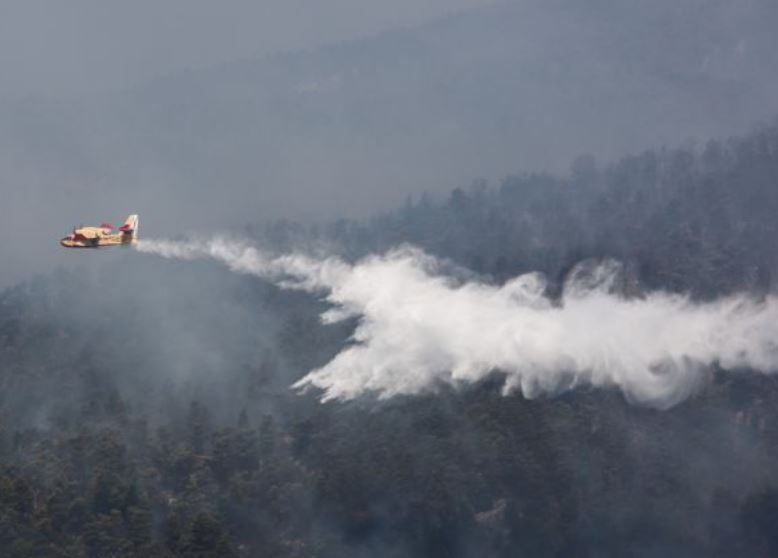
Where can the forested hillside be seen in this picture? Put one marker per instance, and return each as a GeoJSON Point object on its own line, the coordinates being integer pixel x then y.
{"type": "Point", "coordinates": [699, 219]}
{"type": "Point", "coordinates": [145, 409]}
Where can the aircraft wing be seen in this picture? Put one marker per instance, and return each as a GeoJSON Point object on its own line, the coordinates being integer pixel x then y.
{"type": "Point", "coordinates": [88, 232]}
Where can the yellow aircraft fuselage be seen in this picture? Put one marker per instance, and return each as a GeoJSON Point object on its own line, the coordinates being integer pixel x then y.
{"type": "Point", "coordinates": [91, 237]}
{"type": "Point", "coordinates": [103, 236]}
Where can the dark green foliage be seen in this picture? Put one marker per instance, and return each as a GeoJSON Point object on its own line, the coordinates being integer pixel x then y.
{"type": "Point", "coordinates": [206, 539]}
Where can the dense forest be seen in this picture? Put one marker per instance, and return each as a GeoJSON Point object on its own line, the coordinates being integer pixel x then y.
{"type": "Point", "coordinates": [146, 410]}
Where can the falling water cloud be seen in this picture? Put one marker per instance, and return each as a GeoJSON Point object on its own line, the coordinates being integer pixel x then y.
{"type": "Point", "coordinates": [419, 327]}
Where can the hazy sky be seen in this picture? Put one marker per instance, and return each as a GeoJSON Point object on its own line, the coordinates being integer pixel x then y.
{"type": "Point", "coordinates": [51, 47]}
{"type": "Point", "coordinates": [346, 129]}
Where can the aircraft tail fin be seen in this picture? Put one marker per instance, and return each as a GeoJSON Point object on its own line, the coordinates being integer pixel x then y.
{"type": "Point", "coordinates": [130, 229]}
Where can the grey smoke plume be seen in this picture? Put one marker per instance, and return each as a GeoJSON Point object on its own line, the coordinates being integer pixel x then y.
{"type": "Point", "coordinates": [419, 327]}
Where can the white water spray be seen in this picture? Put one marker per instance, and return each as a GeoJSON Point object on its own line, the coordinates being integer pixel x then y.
{"type": "Point", "coordinates": [419, 328]}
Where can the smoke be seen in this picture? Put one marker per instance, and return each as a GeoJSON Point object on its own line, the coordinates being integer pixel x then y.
{"type": "Point", "coordinates": [421, 325]}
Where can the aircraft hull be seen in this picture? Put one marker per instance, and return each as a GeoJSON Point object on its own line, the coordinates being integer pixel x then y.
{"type": "Point", "coordinates": [103, 242]}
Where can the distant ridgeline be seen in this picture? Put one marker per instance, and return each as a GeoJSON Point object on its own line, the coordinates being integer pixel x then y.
{"type": "Point", "coordinates": [148, 412]}
{"type": "Point", "coordinates": [700, 219]}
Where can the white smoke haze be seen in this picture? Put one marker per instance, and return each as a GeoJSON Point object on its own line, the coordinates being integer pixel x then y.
{"type": "Point", "coordinates": [420, 328]}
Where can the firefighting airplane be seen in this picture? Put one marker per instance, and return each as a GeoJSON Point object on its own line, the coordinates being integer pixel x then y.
{"type": "Point", "coordinates": [102, 236]}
